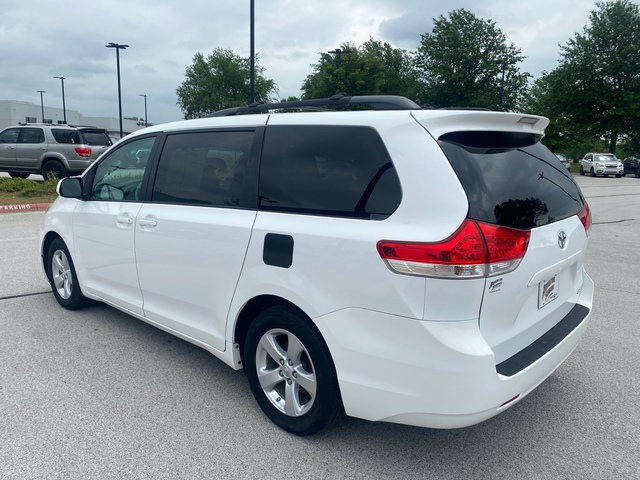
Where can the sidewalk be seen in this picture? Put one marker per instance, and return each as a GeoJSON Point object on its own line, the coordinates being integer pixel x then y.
{"type": "Point", "coordinates": [24, 207]}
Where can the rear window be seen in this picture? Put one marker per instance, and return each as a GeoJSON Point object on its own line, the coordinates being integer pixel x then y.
{"type": "Point", "coordinates": [96, 137]}
{"type": "Point", "coordinates": [511, 179]}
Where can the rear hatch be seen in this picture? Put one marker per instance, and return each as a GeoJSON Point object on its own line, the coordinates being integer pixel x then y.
{"type": "Point", "coordinates": [97, 139]}
{"type": "Point", "coordinates": [512, 180]}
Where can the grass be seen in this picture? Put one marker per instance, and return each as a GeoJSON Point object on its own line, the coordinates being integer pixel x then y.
{"type": "Point", "coordinates": [16, 191]}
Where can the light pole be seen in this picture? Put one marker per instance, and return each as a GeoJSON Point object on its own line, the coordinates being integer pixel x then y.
{"type": "Point", "coordinates": [339, 52]}
{"type": "Point", "coordinates": [145, 108]}
{"type": "Point", "coordinates": [64, 108]}
{"type": "Point", "coordinates": [252, 61]}
{"type": "Point", "coordinates": [118, 47]}
{"type": "Point", "coordinates": [42, 103]}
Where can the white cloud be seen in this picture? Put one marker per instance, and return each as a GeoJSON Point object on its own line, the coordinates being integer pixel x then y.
{"type": "Point", "coordinates": [41, 39]}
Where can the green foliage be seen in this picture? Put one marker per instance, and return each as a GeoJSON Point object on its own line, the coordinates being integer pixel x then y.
{"type": "Point", "coordinates": [28, 188]}
{"type": "Point", "coordinates": [220, 81]}
{"type": "Point", "coordinates": [593, 97]}
{"type": "Point", "coordinates": [466, 62]}
{"type": "Point", "coordinates": [375, 68]}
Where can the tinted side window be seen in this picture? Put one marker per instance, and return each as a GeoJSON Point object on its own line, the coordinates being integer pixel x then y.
{"type": "Point", "coordinates": [65, 136]}
{"type": "Point", "coordinates": [32, 135]}
{"type": "Point", "coordinates": [204, 168]}
{"type": "Point", "coordinates": [119, 175]}
{"type": "Point", "coordinates": [10, 135]}
{"type": "Point", "coordinates": [328, 170]}
{"type": "Point", "coordinates": [511, 179]}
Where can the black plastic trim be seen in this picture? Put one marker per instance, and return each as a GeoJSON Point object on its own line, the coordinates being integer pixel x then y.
{"type": "Point", "coordinates": [544, 344]}
{"type": "Point", "coordinates": [377, 102]}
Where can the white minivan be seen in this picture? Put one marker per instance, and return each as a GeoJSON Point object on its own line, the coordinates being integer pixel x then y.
{"type": "Point", "coordinates": [397, 264]}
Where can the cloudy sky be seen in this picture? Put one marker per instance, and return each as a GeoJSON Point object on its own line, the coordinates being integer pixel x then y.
{"type": "Point", "coordinates": [40, 39]}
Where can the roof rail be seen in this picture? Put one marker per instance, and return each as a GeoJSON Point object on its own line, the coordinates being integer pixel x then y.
{"type": "Point", "coordinates": [377, 102]}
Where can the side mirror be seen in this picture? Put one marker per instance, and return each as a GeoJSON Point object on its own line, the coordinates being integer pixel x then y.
{"type": "Point", "coordinates": [70, 187]}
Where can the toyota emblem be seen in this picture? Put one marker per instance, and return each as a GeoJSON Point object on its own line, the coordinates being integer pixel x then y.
{"type": "Point", "coordinates": [562, 239]}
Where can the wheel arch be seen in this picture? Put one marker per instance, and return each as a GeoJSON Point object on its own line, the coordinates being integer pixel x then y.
{"type": "Point", "coordinates": [251, 310]}
{"type": "Point", "coordinates": [46, 243]}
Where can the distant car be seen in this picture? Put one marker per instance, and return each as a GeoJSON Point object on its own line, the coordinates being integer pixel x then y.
{"type": "Point", "coordinates": [601, 164]}
{"type": "Point", "coordinates": [564, 160]}
{"type": "Point", "coordinates": [632, 165]}
{"type": "Point", "coordinates": [53, 151]}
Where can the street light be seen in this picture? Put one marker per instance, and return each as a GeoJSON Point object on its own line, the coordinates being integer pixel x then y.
{"type": "Point", "coordinates": [505, 64]}
{"type": "Point", "coordinates": [252, 61]}
{"type": "Point", "coordinates": [145, 108]}
{"type": "Point", "coordinates": [64, 108]}
{"type": "Point", "coordinates": [41, 103]}
{"type": "Point", "coordinates": [339, 52]}
{"type": "Point", "coordinates": [118, 47]}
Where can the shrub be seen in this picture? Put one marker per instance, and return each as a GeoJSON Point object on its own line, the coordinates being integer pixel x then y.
{"type": "Point", "coordinates": [28, 188]}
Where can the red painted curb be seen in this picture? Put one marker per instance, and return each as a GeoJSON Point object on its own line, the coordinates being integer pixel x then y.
{"type": "Point", "coordinates": [26, 207]}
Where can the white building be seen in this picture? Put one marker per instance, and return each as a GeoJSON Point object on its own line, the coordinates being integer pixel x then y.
{"type": "Point", "coordinates": [13, 112]}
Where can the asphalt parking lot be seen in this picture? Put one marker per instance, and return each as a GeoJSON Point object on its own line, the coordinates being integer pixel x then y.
{"type": "Point", "coordinates": [98, 394]}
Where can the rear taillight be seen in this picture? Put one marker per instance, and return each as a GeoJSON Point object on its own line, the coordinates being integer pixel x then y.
{"type": "Point", "coordinates": [585, 217]}
{"type": "Point", "coordinates": [475, 250]}
{"type": "Point", "coordinates": [83, 151]}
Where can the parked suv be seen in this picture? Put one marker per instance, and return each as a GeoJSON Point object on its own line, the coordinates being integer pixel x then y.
{"type": "Point", "coordinates": [601, 164]}
{"type": "Point", "coordinates": [423, 267]}
{"type": "Point", "coordinates": [50, 150]}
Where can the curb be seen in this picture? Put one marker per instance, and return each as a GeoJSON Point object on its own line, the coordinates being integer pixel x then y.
{"type": "Point", "coordinates": [26, 207]}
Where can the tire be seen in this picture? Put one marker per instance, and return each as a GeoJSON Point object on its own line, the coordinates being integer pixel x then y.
{"type": "Point", "coordinates": [53, 169]}
{"type": "Point", "coordinates": [581, 170]}
{"type": "Point", "coordinates": [637, 175]}
{"type": "Point", "coordinates": [592, 173]}
{"type": "Point", "coordinates": [618, 176]}
{"type": "Point", "coordinates": [290, 371]}
{"type": "Point", "coordinates": [62, 277]}
{"type": "Point", "coordinates": [18, 175]}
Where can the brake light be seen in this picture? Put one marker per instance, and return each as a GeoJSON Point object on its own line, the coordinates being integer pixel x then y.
{"type": "Point", "coordinates": [475, 250]}
{"type": "Point", "coordinates": [585, 218]}
{"type": "Point", "coordinates": [83, 151]}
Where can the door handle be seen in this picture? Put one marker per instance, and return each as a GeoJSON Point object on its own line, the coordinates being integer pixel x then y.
{"type": "Point", "coordinates": [125, 220]}
{"type": "Point", "coordinates": [145, 222]}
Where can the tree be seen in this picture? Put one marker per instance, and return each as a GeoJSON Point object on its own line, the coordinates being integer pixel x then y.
{"type": "Point", "coordinates": [375, 68]}
{"type": "Point", "coordinates": [596, 88]}
{"type": "Point", "coordinates": [466, 62]}
{"type": "Point", "coordinates": [220, 81]}
{"type": "Point", "coordinates": [400, 75]}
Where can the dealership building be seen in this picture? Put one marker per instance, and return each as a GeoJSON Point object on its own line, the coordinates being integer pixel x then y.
{"type": "Point", "coordinates": [13, 112]}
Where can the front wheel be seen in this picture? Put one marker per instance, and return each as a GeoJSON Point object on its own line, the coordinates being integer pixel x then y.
{"type": "Point", "coordinates": [592, 173]}
{"type": "Point", "coordinates": [53, 170]}
{"type": "Point", "coordinates": [581, 170]}
{"type": "Point", "coordinates": [290, 371]}
{"type": "Point", "coordinates": [62, 277]}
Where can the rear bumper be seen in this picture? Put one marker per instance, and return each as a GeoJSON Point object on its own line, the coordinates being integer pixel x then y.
{"type": "Point", "coordinates": [431, 374]}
